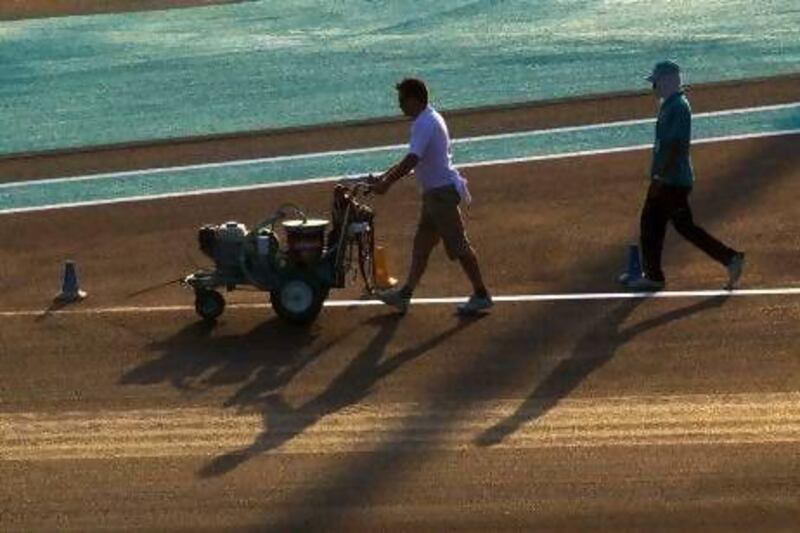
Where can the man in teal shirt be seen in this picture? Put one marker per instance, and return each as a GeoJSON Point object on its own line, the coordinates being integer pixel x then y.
{"type": "Point", "coordinates": [672, 179]}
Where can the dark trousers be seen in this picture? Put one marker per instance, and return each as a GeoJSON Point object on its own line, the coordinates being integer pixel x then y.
{"type": "Point", "coordinates": [667, 203]}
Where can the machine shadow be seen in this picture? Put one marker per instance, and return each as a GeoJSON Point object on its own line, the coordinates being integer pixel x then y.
{"type": "Point", "coordinates": [268, 357]}
{"type": "Point", "coordinates": [598, 346]}
{"type": "Point", "coordinates": [284, 422]}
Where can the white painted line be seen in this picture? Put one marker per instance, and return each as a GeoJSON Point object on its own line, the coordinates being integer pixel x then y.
{"type": "Point", "coordinates": [513, 298]}
{"type": "Point", "coordinates": [574, 297]}
{"type": "Point", "coordinates": [372, 149]}
{"type": "Point", "coordinates": [745, 110]}
{"type": "Point", "coordinates": [622, 149]}
{"type": "Point", "coordinates": [633, 122]}
{"type": "Point", "coordinates": [330, 179]}
{"type": "Point", "coordinates": [204, 166]}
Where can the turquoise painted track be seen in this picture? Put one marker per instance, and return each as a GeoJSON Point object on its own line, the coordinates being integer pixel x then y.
{"type": "Point", "coordinates": [80, 81]}
{"type": "Point", "coordinates": [242, 174]}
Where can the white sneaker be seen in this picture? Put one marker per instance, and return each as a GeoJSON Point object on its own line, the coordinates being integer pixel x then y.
{"type": "Point", "coordinates": [475, 305]}
{"type": "Point", "coordinates": [395, 298]}
{"type": "Point", "coordinates": [645, 285]}
{"type": "Point", "coordinates": [735, 268]}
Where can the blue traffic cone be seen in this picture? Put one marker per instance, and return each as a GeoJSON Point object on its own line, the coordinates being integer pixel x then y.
{"type": "Point", "coordinates": [634, 266]}
{"type": "Point", "coordinates": [70, 290]}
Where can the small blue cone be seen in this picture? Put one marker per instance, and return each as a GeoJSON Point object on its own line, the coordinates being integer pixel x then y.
{"type": "Point", "coordinates": [70, 290]}
{"type": "Point", "coordinates": [634, 266]}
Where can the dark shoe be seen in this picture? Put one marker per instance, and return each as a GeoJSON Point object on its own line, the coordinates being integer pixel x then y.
{"type": "Point", "coordinates": [475, 305]}
{"type": "Point", "coordinates": [735, 267]}
{"type": "Point", "coordinates": [645, 285]}
{"type": "Point", "coordinates": [395, 297]}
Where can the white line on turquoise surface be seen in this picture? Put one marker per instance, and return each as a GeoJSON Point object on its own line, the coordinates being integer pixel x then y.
{"type": "Point", "coordinates": [512, 298]}
{"type": "Point", "coordinates": [330, 179]}
{"type": "Point", "coordinates": [372, 149]}
{"type": "Point", "coordinates": [633, 122]}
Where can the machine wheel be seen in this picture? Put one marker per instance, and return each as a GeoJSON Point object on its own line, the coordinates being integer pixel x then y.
{"type": "Point", "coordinates": [208, 304]}
{"type": "Point", "coordinates": [298, 299]}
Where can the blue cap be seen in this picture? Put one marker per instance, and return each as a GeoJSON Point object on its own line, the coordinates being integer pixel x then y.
{"type": "Point", "coordinates": [663, 67]}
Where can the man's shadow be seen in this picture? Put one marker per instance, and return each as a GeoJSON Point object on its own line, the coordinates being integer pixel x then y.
{"type": "Point", "coordinates": [54, 307]}
{"type": "Point", "coordinates": [284, 422]}
{"type": "Point", "coordinates": [570, 372]}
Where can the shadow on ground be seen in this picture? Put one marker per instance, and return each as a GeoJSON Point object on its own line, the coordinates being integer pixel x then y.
{"type": "Point", "coordinates": [282, 422]}
{"type": "Point", "coordinates": [602, 340]}
{"type": "Point", "coordinates": [488, 374]}
{"type": "Point", "coordinates": [261, 362]}
{"type": "Point", "coordinates": [266, 358]}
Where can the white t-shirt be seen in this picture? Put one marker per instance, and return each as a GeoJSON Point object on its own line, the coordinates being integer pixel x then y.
{"type": "Point", "coordinates": [430, 141]}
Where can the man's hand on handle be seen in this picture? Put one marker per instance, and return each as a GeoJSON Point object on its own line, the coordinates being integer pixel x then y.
{"type": "Point", "coordinates": [403, 168]}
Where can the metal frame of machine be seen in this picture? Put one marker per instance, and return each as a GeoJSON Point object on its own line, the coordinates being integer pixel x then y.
{"type": "Point", "coordinates": [298, 275]}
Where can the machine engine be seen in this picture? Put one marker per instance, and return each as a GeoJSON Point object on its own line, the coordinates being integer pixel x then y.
{"type": "Point", "coordinates": [222, 242]}
{"type": "Point", "coordinates": [229, 244]}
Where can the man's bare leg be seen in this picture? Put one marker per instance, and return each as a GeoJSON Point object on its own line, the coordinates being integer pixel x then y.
{"type": "Point", "coordinates": [469, 262]}
{"type": "Point", "coordinates": [400, 297]}
{"type": "Point", "coordinates": [419, 262]}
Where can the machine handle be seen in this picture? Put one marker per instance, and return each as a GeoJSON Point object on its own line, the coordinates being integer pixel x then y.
{"type": "Point", "coordinates": [360, 185]}
{"type": "Point", "coordinates": [281, 214]}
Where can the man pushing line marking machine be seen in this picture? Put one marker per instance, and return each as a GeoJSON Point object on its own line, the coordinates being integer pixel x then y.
{"type": "Point", "coordinates": [300, 277]}
{"type": "Point", "coordinates": [297, 276]}
{"type": "Point", "coordinates": [442, 189]}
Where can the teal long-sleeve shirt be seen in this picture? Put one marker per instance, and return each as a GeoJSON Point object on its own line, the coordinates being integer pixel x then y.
{"type": "Point", "coordinates": [671, 160]}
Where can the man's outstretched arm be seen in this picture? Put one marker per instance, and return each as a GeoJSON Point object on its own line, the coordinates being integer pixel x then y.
{"type": "Point", "coordinates": [403, 168]}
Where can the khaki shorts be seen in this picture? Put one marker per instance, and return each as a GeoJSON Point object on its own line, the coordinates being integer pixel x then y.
{"type": "Point", "coordinates": [441, 219]}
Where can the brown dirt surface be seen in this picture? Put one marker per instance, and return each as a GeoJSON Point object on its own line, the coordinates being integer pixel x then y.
{"type": "Point", "coordinates": [559, 214]}
{"type": "Point", "coordinates": [27, 9]}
